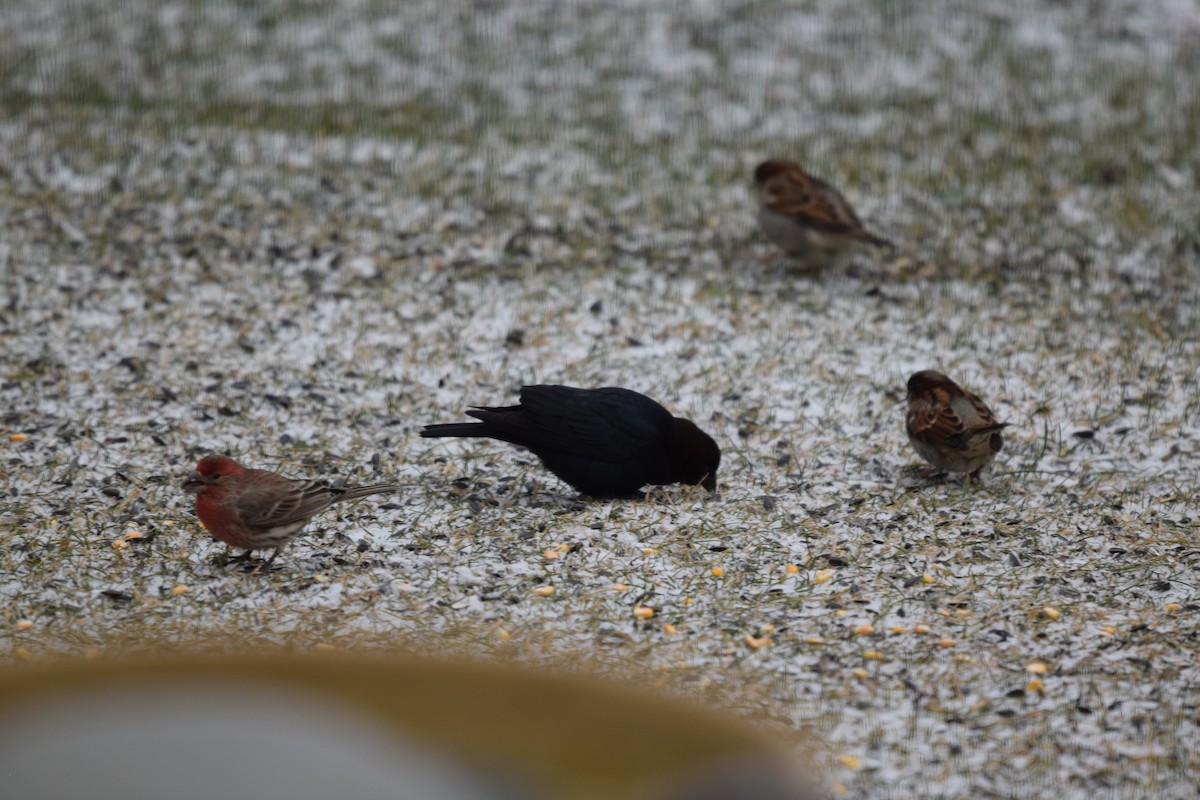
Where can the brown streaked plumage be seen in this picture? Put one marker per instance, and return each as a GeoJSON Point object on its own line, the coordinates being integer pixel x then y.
{"type": "Point", "coordinates": [805, 216]}
{"type": "Point", "coordinates": [949, 427]}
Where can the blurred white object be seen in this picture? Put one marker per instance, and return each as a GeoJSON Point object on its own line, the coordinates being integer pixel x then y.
{"type": "Point", "coordinates": [198, 742]}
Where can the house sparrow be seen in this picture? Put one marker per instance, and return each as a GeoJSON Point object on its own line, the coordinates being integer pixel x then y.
{"type": "Point", "coordinates": [949, 427]}
{"type": "Point", "coordinates": [806, 216]}
{"type": "Point", "coordinates": [255, 509]}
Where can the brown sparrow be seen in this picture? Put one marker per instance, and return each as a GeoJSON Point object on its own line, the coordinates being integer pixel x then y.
{"type": "Point", "coordinates": [949, 427]}
{"type": "Point", "coordinates": [806, 216]}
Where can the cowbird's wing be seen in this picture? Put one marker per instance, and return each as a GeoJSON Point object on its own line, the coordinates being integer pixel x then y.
{"type": "Point", "coordinates": [609, 424]}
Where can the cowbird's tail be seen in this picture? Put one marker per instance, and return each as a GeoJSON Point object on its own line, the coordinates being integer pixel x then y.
{"type": "Point", "coordinates": [453, 429]}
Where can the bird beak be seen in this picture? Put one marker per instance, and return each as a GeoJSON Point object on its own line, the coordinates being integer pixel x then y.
{"type": "Point", "coordinates": [709, 482]}
{"type": "Point", "coordinates": [195, 484]}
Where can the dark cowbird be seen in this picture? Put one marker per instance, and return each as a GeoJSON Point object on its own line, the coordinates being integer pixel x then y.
{"type": "Point", "coordinates": [606, 442]}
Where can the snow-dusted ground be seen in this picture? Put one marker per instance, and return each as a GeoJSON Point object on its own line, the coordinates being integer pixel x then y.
{"type": "Point", "coordinates": [300, 232]}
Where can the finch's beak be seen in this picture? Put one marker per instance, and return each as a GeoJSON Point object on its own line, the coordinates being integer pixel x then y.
{"type": "Point", "coordinates": [195, 484]}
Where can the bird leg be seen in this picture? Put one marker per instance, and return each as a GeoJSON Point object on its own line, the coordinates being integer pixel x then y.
{"type": "Point", "coordinates": [229, 558]}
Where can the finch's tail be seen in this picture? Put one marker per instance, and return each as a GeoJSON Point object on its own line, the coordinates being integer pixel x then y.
{"type": "Point", "coordinates": [375, 488]}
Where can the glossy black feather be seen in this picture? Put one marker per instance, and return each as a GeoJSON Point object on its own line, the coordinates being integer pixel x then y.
{"type": "Point", "coordinates": [605, 442]}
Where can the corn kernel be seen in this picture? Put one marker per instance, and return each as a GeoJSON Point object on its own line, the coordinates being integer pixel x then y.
{"type": "Point", "coordinates": [544, 591]}
{"type": "Point", "coordinates": [131, 535]}
{"type": "Point", "coordinates": [755, 643]}
{"type": "Point", "coordinates": [119, 544]}
{"type": "Point", "coordinates": [766, 629]}
{"type": "Point", "coordinates": [1049, 612]}
{"type": "Point", "coordinates": [324, 647]}
{"type": "Point", "coordinates": [1036, 668]}
{"type": "Point", "coordinates": [791, 569]}
{"type": "Point", "coordinates": [687, 601]}
{"type": "Point", "coordinates": [849, 761]}
{"type": "Point", "coordinates": [945, 643]}
{"type": "Point", "coordinates": [928, 579]}
{"type": "Point", "coordinates": [643, 612]}
{"type": "Point", "coordinates": [814, 640]}
{"type": "Point", "coordinates": [1035, 685]}
{"type": "Point", "coordinates": [841, 612]}
{"type": "Point", "coordinates": [504, 634]}
{"type": "Point", "coordinates": [550, 555]}
{"type": "Point", "coordinates": [1109, 630]}
{"type": "Point", "coordinates": [873, 655]}
{"type": "Point", "coordinates": [860, 673]}
{"type": "Point", "coordinates": [620, 587]}
{"type": "Point", "coordinates": [921, 629]}
{"type": "Point", "coordinates": [865, 629]}
{"type": "Point", "coordinates": [24, 624]}
{"type": "Point", "coordinates": [562, 548]}
{"type": "Point", "coordinates": [1171, 608]}
{"type": "Point", "coordinates": [898, 629]}
{"type": "Point", "coordinates": [962, 613]}
{"type": "Point", "coordinates": [669, 629]}
{"type": "Point", "coordinates": [649, 551]}
{"type": "Point", "coordinates": [18, 438]}
{"type": "Point", "coordinates": [823, 576]}
{"type": "Point", "coordinates": [838, 788]}
{"type": "Point", "coordinates": [717, 572]}
{"type": "Point", "coordinates": [180, 589]}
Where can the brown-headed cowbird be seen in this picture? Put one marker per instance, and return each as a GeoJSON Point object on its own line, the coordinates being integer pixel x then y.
{"type": "Point", "coordinates": [605, 442]}
{"type": "Point", "coordinates": [805, 216]}
{"type": "Point", "coordinates": [949, 427]}
{"type": "Point", "coordinates": [255, 509]}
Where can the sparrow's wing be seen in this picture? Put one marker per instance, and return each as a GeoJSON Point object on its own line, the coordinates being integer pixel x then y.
{"type": "Point", "coordinates": [985, 422]}
{"type": "Point", "coordinates": [815, 203]}
{"type": "Point", "coordinates": [932, 419]}
{"type": "Point", "coordinates": [273, 501]}
{"type": "Point", "coordinates": [986, 418]}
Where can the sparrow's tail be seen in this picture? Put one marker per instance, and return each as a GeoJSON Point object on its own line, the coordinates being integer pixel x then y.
{"type": "Point", "coordinates": [984, 430]}
{"type": "Point", "coordinates": [997, 441]}
{"type": "Point", "coordinates": [877, 241]}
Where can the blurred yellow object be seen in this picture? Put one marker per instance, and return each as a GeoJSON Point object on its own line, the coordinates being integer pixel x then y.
{"type": "Point", "coordinates": [316, 727]}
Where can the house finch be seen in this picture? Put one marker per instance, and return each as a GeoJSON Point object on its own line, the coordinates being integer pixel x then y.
{"type": "Point", "coordinates": [949, 427]}
{"type": "Point", "coordinates": [606, 442]}
{"type": "Point", "coordinates": [255, 509]}
{"type": "Point", "coordinates": [805, 216]}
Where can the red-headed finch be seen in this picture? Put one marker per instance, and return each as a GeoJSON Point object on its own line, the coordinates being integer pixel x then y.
{"type": "Point", "coordinates": [805, 216]}
{"type": "Point", "coordinates": [607, 442]}
{"type": "Point", "coordinates": [949, 427]}
{"type": "Point", "coordinates": [255, 509]}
